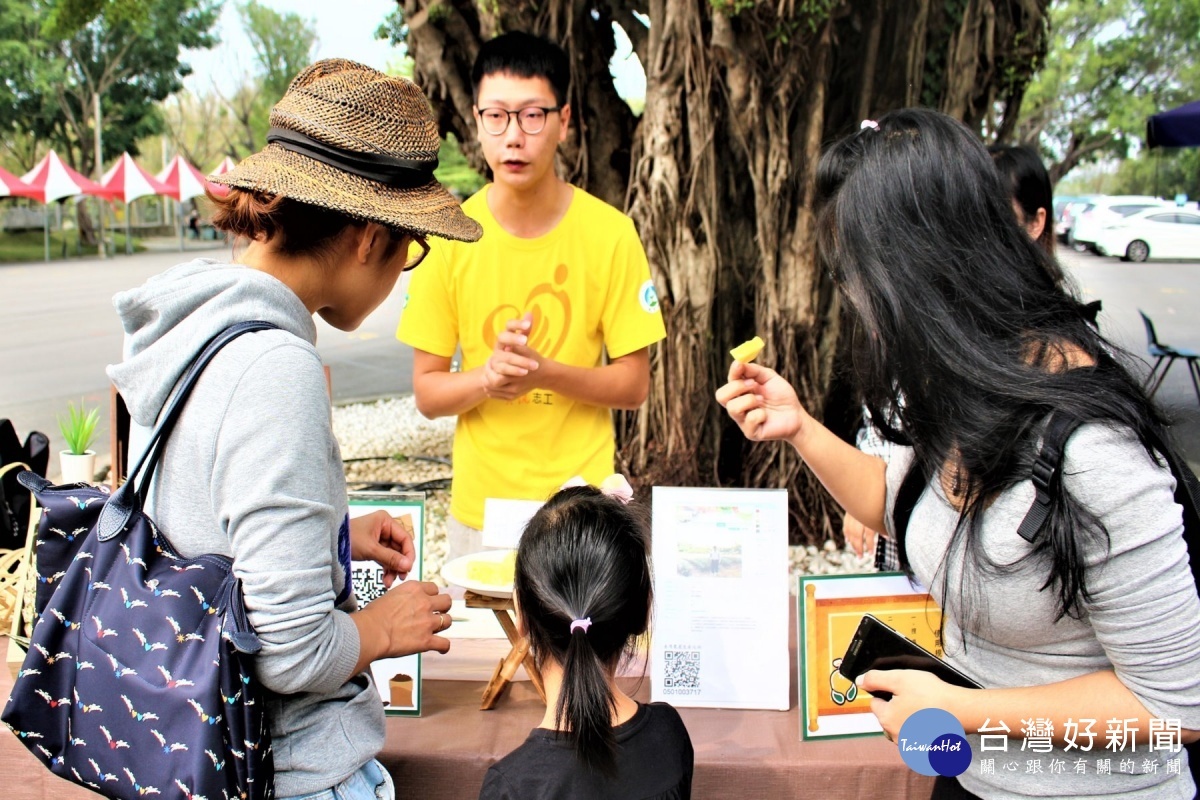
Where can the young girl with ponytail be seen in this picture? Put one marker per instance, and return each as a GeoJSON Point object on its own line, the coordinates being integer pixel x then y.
{"type": "Point", "coordinates": [582, 591]}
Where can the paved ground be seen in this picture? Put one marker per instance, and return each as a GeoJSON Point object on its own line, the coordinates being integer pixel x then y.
{"type": "Point", "coordinates": [58, 331]}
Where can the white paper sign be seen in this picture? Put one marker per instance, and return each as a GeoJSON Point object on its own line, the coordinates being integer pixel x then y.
{"type": "Point", "coordinates": [504, 521]}
{"type": "Point", "coordinates": [398, 679]}
{"type": "Point", "coordinates": [720, 637]}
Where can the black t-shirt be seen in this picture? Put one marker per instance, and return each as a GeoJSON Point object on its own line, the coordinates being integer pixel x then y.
{"type": "Point", "coordinates": [654, 762]}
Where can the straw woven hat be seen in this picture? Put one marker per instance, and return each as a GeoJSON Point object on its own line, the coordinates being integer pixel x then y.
{"type": "Point", "coordinates": [349, 138]}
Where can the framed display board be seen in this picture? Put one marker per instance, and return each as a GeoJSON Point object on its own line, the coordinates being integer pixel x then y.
{"type": "Point", "coordinates": [720, 637]}
{"type": "Point", "coordinates": [829, 610]}
{"type": "Point", "coordinates": [398, 679]}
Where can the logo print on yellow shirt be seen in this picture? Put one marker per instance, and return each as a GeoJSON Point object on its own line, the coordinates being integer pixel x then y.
{"type": "Point", "coordinates": [551, 309]}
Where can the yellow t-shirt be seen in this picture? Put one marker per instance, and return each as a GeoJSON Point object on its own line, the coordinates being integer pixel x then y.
{"type": "Point", "coordinates": [588, 286]}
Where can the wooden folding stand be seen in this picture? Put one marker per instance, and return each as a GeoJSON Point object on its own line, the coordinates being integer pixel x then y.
{"type": "Point", "coordinates": [519, 654]}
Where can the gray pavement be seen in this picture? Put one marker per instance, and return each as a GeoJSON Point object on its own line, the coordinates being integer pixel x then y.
{"type": "Point", "coordinates": [58, 331]}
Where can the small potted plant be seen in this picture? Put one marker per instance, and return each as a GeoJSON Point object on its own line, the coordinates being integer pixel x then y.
{"type": "Point", "coordinates": [78, 428]}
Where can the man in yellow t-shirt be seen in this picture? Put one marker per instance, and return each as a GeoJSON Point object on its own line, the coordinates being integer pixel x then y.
{"type": "Point", "coordinates": [558, 280]}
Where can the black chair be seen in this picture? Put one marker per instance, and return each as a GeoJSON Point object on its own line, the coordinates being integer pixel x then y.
{"type": "Point", "coordinates": [1166, 356]}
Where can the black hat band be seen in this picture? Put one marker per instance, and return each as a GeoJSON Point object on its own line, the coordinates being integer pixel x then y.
{"type": "Point", "coordinates": [401, 173]}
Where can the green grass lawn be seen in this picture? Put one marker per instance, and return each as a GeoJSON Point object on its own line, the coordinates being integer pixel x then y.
{"type": "Point", "coordinates": [29, 246]}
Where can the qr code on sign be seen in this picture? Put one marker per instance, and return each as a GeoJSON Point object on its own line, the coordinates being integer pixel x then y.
{"type": "Point", "coordinates": [368, 582]}
{"type": "Point", "coordinates": [682, 669]}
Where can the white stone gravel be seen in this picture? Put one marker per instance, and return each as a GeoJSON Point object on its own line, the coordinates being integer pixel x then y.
{"type": "Point", "coordinates": [392, 428]}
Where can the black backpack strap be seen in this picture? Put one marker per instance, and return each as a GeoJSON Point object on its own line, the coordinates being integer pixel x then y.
{"type": "Point", "coordinates": [1047, 472]}
{"type": "Point", "coordinates": [128, 499]}
{"type": "Point", "coordinates": [911, 489]}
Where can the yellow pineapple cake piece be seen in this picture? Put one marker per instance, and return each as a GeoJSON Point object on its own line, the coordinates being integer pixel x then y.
{"type": "Point", "coordinates": [748, 351]}
{"type": "Point", "coordinates": [493, 573]}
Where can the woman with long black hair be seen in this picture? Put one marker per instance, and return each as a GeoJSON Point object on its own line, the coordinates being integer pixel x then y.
{"type": "Point", "coordinates": [961, 329]}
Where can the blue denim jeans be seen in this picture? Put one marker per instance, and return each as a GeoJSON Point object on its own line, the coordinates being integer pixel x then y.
{"type": "Point", "coordinates": [371, 782]}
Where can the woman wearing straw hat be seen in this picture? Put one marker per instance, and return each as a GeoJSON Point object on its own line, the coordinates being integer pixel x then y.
{"type": "Point", "coordinates": [334, 208]}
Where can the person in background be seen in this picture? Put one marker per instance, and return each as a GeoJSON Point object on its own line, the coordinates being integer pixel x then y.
{"type": "Point", "coordinates": [334, 208]}
{"type": "Point", "coordinates": [582, 592]}
{"type": "Point", "coordinates": [554, 309]}
{"type": "Point", "coordinates": [1024, 175]}
{"type": "Point", "coordinates": [963, 332]}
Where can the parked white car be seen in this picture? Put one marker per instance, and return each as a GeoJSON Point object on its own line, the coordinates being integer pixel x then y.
{"type": "Point", "coordinates": [1109, 210]}
{"type": "Point", "coordinates": [1166, 232]}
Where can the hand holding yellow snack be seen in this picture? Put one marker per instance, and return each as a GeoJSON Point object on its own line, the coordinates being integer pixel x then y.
{"type": "Point", "coordinates": [748, 351]}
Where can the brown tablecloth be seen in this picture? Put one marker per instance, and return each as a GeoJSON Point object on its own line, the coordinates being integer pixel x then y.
{"type": "Point", "coordinates": [443, 755]}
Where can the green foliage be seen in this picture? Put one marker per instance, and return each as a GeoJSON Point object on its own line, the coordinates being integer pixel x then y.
{"type": "Point", "coordinates": [454, 172]}
{"type": "Point", "coordinates": [57, 54]}
{"type": "Point", "coordinates": [29, 246]}
{"type": "Point", "coordinates": [393, 28]}
{"type": "Point", "coordinates": [731, 8]}
{"type": "Point", "coordinates": [79, 427]}
{"type": "Point", "coordinates": [66, 18]}
{"type": "Point", "coordinates": [283, 45]}
{"type": "Point", "coordinates": [1112, 63]}
{"type": "Point", "coordinates": [1163, 172]}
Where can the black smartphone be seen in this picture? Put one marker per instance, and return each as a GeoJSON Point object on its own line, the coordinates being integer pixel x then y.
{"type": "Point", "coordinates": [877, 645]}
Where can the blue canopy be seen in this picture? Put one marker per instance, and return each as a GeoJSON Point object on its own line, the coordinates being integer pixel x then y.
{"type": "Point", "coordinates": [1179, 127]}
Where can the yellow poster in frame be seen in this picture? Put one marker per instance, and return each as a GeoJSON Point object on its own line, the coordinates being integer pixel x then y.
{"type": "Point", "coordinates": [829, 610]}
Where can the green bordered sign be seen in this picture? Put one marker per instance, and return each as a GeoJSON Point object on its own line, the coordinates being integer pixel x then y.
{"type": "Point", "coordinates": [828, 610]}
{"type": "Point", "coordinates": [398, 679]}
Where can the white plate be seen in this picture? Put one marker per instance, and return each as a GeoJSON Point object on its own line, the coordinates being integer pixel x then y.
{"type": "Point", "coordinates": [455, 572]}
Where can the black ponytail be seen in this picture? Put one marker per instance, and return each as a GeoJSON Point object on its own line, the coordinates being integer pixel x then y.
{"type": "Point", "coordinates": [583, 587]}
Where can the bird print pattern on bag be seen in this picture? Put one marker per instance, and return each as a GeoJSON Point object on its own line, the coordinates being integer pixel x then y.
{"type": "Point", "coordinates": [119, 691]}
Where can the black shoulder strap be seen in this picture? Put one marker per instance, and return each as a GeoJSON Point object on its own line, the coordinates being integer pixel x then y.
{"type": "Point", "coordinates": [1047, 472]}
{"type": "Point", "coordinates": [128, 499]}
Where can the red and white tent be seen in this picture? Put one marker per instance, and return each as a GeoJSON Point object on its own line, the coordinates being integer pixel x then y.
{"type": "Point", "coordinates": [184, 181]}
{"type": "Point", "coordinates": [127, 181]}
{"type": "Point", "coordinates": [226, 164]}
{"type": "Point", "coordinates": [53, 180]}
{"type": "Point", "coordinates": [11, 186]}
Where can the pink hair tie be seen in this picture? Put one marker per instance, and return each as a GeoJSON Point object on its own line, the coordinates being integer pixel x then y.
{"type": "Point", "coordinates": [583, 624]}
{"type": "Point", "coordinates": [869, 123]}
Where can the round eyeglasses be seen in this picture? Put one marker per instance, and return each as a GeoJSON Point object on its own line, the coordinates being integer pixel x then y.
{"type": "Point", "coordinates": [411, 260]}
{"type": "Point", "coordinates": [531, 119]}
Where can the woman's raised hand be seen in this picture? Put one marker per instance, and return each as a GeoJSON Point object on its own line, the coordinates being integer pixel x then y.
{"type": "Point", "coordinates": [762, 403]}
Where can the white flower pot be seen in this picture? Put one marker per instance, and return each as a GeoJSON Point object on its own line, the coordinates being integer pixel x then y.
{"type": "Point", "coordinates": [77, 468]}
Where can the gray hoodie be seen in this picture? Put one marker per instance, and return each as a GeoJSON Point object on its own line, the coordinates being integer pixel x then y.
{"type": "Point", "coordinates": [253, 471]}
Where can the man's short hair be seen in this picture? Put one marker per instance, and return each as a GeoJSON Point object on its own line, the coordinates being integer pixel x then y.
{"type": "Point", "coordinates": [524, 55]}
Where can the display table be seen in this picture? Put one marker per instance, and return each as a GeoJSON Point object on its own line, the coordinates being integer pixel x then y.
{"type": "Point", "coordinates": [443, 755]}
